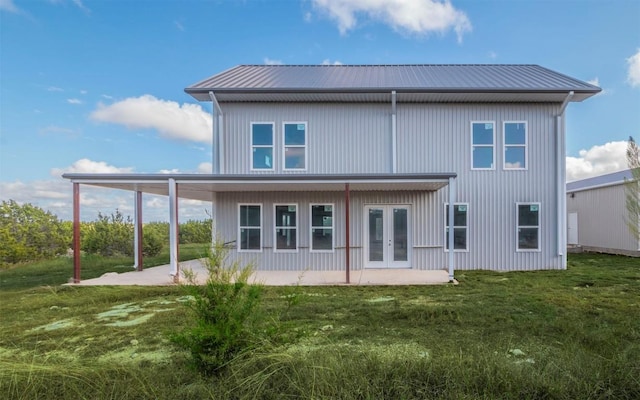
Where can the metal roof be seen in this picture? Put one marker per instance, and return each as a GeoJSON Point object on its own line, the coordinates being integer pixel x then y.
{"type": "Point", "coordinates": [201, 186]}
{"type": "Point", "coordinates": [411, 82]}
{"type": "Point", "coordinates": [615, 178]}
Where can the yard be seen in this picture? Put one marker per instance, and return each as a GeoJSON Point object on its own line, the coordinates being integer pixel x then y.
{"type": "Point", "coordinates": [571, 334]}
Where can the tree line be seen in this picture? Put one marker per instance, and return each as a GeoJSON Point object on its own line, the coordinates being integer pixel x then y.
{"type": "Point", "coordinates": [29, 233]}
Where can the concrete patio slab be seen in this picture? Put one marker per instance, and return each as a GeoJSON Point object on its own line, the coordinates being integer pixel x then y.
{"type": "Point", "coordinates": [159, 276]}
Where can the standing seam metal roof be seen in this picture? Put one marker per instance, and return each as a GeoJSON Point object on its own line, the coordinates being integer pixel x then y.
{"type": "Point", "coordinates": [424, 77]}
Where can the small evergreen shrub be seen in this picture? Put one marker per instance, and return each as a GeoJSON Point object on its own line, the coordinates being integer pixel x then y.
{"type": "Point", "coordinates": [224, 309]}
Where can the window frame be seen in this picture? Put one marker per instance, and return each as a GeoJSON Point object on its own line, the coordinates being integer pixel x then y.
{"type": "Point", "coordinates": [446, 237]}
{"type": "Point", "coordinates": [518, 226]}
{"type": "Point", "coordinates": [273, 145]}
{"type": "Point", "coordinates": [505, 145]}
{"type": "Point", "coordinates": [285, 146]}
{"type": "Point", "coordinates": [493, 145]}
{"type": "Point", "coordinates": [275, 228]}
{"type": "Point", "coordinates": [240, 227]}
{"type": "Point", "coordinates": [311, 227]}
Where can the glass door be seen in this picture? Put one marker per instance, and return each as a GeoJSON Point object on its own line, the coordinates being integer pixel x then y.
{"type": "Point", "coordinates": [387, 236]}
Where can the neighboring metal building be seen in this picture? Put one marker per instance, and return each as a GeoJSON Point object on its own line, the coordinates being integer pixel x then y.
{"type": "Point", "coordinates": [353, 166]}
{"type": "Point", "coordinates": [597, 215]}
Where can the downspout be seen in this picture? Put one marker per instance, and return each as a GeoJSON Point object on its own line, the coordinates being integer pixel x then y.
{"type": "Point", "coordinates": [394, 143]}
{"type": "Point", "coordinates": [218, 135]}
{"type": "Point", "coordinates": [561, 199]}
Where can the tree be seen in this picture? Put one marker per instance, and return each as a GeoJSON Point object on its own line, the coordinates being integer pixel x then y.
{"type": "Point", "coordinates": [30, 233]}
{"type": "Point", "coordinates": [632, 189]}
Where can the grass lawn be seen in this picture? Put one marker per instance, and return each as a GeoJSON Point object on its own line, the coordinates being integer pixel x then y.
{"type": "Point", "coordinates": [571, 334]}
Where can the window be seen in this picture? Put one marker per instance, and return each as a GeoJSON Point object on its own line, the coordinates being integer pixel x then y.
{"type": "Point", "coordinates": [483, 140]}
{"type": "Point", "coordinates": [528, 226]}
{"type": "Point", "coordinates": [286, 227]}
{"type": "Point", "coordinates": [515, 145]}
{"type": "Point", "coordinates": [321, 227]}
{"type": "Point", "coordinates": [460, 227]}
{"type": "Point", "coordinates": [250, 227]}
{"type": "Point", "coordinates": [295, 145]}
{"type": "Point", "coordinates": [261, 146]}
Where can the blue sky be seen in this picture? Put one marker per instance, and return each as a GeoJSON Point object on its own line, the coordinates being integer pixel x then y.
{"type": "Point", "coordinates": [97, 86]}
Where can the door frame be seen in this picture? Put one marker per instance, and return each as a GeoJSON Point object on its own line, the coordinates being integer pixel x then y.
{"type": "Point", "coordinates": [387, 262]}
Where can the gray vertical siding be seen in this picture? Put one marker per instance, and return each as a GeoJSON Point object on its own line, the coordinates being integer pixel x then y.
{"type": "Point", "coordinates": [601, 218]}
{"type": "Point", "coordinates": [431, 138]}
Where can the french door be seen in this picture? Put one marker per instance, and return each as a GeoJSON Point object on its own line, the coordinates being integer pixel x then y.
{"type": "Point", "coordinates": [387, 236]}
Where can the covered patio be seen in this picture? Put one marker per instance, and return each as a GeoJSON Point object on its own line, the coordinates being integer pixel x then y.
{"type": "Point", "coordinates": [205, 187]}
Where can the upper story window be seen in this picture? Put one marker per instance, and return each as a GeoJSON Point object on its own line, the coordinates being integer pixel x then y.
{"type": "Point", "coordinates": [528, 228]}
{"type": "Point", "coordinates": [286, 226]}
{"type": "Point", "coordinates": [483, 141]}
{"type": "Point", "coordinates": [262, 146]}
{"type": "Point", "coordinates": [295, 145]}
{"type": "Point", "coordinates": [515, 145]}
{"type": "Point", "coordinates": [460, 227]}
{"type": "Point", "coordinates": [250, 227]}
{"type": "Point", "coordinates": [321, 227]}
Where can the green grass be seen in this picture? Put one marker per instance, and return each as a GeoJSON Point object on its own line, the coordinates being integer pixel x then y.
{"type": "Point", "coordinates": [571, 334]}
{"type": "Point", "coordinates": [60, 270]}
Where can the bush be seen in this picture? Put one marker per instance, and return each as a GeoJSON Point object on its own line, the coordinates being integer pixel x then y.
{"type": "Point", "coordinates": [109, 235]}
{"type": "Point", "coordinates": [151, 244]}
{"type": "Point", "coordinates": [29, 233]}
{"type": "Point", "coordinates": [195, 231]}
{"type": "Point", "coordinates": [224, 310]}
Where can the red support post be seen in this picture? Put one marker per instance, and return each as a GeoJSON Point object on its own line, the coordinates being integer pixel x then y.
{"type": "Point", "coordinates": [347, 229]}
{"type": "Point", "coordinates": [139, 228]}
{"type": "Point", "coordinates": [76, 232]}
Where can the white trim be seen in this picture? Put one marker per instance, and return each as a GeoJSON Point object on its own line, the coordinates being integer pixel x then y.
{"type": "Point", "coordinates": [273, 145]}
{"type": "Point", "coordinates": [518, 226]}
{"type": "Point", "coordinates": [239, 239]}
{"type": "Point", "coordinates": [311, 227]}
{"type": "Point", "coordinates": [444, 247]}
{"type": "Point", "coordinates": [305, 146]}
{"type": "Point", "coordinates": [505, 145]}
{"type": "Point", "coordinates": [295, 227]}
{"type": "Point", "coordinates": [493, 146]}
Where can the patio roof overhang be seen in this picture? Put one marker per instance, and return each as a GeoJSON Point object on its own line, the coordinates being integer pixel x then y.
{"type": "Point", "coordinates": [202, 186]}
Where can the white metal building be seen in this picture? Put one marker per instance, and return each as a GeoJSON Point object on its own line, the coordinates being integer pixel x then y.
{"type": "Point", "coordinates": [597, 215]}
{"type": "Point", "coordinates": [354, 166]}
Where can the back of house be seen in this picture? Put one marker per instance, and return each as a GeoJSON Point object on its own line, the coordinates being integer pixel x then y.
{"type": "Point", "coordinates": [409, 140]}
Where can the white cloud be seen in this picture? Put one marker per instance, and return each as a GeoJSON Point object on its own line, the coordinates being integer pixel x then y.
{"type": "Point", "coordinates": [417, 16]}
{"type": "Point", "coordinates": [492, 55]}
{"type": "Point", "coordinates": [74, 101]}
{"type": "Point", "coordinates": [179, 25]}
{"type": "Point", "coordinates": [633, 73]}
{"type": "Point", "coordinates": [53, 88]}
{"type": "Point", "coordinates": [83, 92]}
{"type": "Point", "coordinates": [81, 6]}
{"type": "Point", "coordinates": [170, 119]}
{"type": "Point", "coordinates": [7, 5]}
{"type": "Point", "coordinates": [328, 62]}
{"type": "Point", "coordinates": [58, 130]}
{"type": "Point", "coordinates": [598, 160]}
{"type": "Point", "coordinates": [269, 61]}
{"type": "Point", "coordinates": [596, 82]}
{"type": "Point", "coordinates": [86, 166]}
{"type": "Point", "coordinates": [205, 168]}
{"type": "Point", "coordinates": [106, 96]}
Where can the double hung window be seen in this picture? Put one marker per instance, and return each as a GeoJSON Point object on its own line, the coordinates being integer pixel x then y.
{"type": "Point", "coordinates": [321, 227]}
{"type": "Point", "coordinates": [250, 227]}
{"type": "Point", "coordinates": [515, 145]}
{"type": "Point", "coordinates": [295, 145]}
{"type": "Point", "coordinates": [262, 146]}
{"type": "Point", "coordinates": [460, 227]}
{"type": "Point", "coordinates": [528, 229]}
{"type": "Point", "coordinates": [483, 142]}
{"type": "Point", "coordinates": [286, 227]}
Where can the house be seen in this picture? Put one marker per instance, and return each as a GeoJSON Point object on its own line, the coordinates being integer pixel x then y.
{"type": "Point", "coordinates": [345, 167]}
{"type": "Point", "coordinates": [597, 215]}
